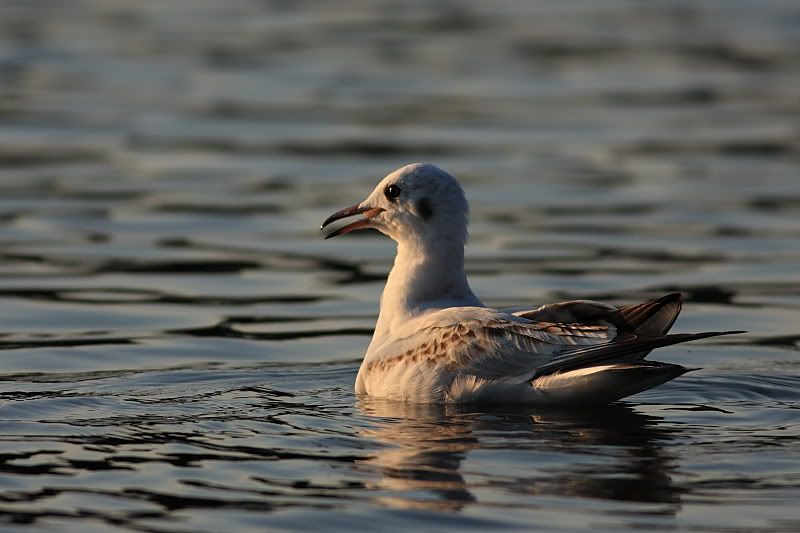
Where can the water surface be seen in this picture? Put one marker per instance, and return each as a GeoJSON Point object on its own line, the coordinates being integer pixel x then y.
{"type": "Point", "coordinates": [179, 345]}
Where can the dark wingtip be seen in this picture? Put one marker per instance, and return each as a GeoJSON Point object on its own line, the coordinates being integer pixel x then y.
{"type": "Point", "coordinates": [587, 356]}
{"type": "Point", "coordinates": [704, 335]}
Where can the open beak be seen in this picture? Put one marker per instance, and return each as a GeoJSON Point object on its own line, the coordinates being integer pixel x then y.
{"type": "Point", "coordinates": [368, 213]}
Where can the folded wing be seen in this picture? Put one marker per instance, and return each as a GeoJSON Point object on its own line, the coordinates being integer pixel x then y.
{"type": "Point", "coordinates": [495, 346]}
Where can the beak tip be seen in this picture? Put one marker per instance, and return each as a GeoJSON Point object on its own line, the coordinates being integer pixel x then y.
{"type": "Point", "coordinates": [348, 212]}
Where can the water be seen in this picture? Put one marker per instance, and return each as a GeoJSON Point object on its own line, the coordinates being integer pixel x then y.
{"type": "Point", "coordinates": [179, 345]}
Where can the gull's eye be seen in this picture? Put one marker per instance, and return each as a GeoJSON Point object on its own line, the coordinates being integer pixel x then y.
{"type": "Point", "coordinates": [392, 192]}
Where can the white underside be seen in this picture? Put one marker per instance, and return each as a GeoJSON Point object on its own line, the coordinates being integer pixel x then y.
{"type": "Point", "coordinates": [430, 384]}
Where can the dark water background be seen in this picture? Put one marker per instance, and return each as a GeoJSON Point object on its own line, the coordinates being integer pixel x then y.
{"type": "Point", "coordinates": [179, 346]}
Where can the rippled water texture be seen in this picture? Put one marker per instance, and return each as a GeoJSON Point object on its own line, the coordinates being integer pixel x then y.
{"type": "Point", "coordinates": [178, 345]}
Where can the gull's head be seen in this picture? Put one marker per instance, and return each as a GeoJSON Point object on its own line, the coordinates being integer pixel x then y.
{"type": "Point", "coordinates": [418, 202]}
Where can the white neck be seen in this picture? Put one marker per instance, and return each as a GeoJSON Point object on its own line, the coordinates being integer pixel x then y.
{"type": "Point", "coordinates": [425, 276]}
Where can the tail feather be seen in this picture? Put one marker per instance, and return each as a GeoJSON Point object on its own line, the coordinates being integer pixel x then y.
{"type": "Point", "coordinates": [655, 317]}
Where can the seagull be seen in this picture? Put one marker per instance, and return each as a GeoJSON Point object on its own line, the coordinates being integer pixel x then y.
{"type": "Point", "coordinates": [436, 342]}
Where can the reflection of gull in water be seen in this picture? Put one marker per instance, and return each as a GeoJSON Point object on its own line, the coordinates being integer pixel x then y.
{"type": "Point", "coordinates": [436, 342]}
{"type": "Point", "coordinates": [610, 453]}
{"type": "Point", "coordinates": [421, 456]}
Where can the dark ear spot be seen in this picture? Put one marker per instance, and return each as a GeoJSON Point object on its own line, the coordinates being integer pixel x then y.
{"type": "Point", "coordinates": [425, 209]}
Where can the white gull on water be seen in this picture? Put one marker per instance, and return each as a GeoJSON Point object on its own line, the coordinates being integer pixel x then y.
{"type": "Point", "coordinates": [436, 342]}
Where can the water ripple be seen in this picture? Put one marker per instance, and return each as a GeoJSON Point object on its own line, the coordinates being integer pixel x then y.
{"type": "Point", "coordinates": [179, 346]}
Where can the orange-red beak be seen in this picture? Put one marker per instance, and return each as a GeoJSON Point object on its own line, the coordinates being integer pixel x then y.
{"type": "Point", "coordinates": [368, 213]}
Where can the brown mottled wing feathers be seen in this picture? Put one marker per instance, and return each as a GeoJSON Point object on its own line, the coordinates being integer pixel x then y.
{"type": "Point", "coordinates": [493, 349]}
